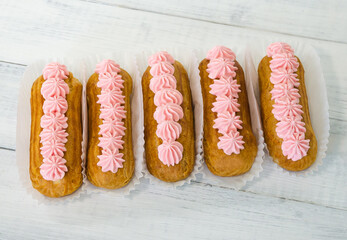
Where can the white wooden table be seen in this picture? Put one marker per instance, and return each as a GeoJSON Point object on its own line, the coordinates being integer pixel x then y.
{"type": "Point", "coordinates": [273, 206]}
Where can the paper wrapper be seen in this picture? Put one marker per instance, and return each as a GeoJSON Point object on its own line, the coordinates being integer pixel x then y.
{"type": "Point", "coordinates": [238, 182]}
{"type": "Point", "coordinates": [316, 94]}
{"type": "Point", "coordinates": [33, 71]}
{"type": "Point", "coordinates": [127, 62]}
{"type": "Point", "coordinates": [188, 60]}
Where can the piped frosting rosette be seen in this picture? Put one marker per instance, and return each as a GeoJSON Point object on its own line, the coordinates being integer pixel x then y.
{"type": "Point", "coordinates": [168, 112]}
{"type": "Point", "coordinates": [112, 113]}
{"type": "Point", "coordinates": [222, 70]}
{"type": "Point", "coordinates": [287, 109]}
{"type": "Point", "coordinates": [54, 122]}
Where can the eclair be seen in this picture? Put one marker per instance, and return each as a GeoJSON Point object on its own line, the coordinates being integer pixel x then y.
{"type": "Point", "coordinates": [110, 160]}
{"type": "Point", "coordinates": [56, 132]}
{"type": "Point", "coordinates": [168, 119]}
{"type": "Point", "coordinates": [288, 132]}
{"type": "Point", "coordinates": [229, 144]}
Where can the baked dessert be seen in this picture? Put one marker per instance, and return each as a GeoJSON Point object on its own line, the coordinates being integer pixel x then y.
{"type": "Point", "coordinates": [168, 119]}
{"type": "Point", "coordinates": [110, 160]}
{"type": "Point", "coordinates": [229, 144]}
{"type": "Point", "coordinates": [56, 132]}
{"type": "Point", "coordinates": [285, 113]}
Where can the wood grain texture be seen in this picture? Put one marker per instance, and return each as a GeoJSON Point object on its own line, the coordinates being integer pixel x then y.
{"type": "Point", "coordinates": [198, 211]}
{"type": "Point", "coordinates": [35, 29]}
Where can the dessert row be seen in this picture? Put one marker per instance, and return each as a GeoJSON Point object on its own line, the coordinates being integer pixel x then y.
{"type": "Point", "coordinates": [229, 144]}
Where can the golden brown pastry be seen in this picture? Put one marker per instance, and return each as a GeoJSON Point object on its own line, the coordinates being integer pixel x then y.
{"type": "Point", "coordinates": [55, 157]}
{"type": "Point", "coordinates": [285, 114]}
{"type": "Point", "coordinates": [229, 144]}
{"type": "Point", "coordinates": [168, 119]}
{"type": "Point", "coordinates": [110, 160]}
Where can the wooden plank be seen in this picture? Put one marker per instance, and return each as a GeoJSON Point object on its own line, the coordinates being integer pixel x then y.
{"type": "Point", "coordinates": [197, 211]}
{"type": "Point", "coordinates": [323, 19]}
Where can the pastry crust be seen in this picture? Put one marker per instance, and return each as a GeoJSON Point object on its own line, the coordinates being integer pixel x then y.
{"type": "Point", "coordinates": [73, 177]}
{"type": "Point", "coordinates": [216, 160]}
{"type": "Point", "coordinates": [95, 175]}
{"type": "Point", "coordinates": [183, 169]}
{"type": "Point", "coordinates": [274, 142]}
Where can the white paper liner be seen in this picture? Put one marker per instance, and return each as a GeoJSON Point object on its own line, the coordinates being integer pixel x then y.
{"type": "Point", "coordinates": [316, 95]}
{"type": "Point", "coordinates": [32, 72]}
{"type": "Point", "coordinates": [237, 182]}
{"type": "Point", "coordinates": [128, 63]}
{"type": "Point", "coordinates": [189, 62]}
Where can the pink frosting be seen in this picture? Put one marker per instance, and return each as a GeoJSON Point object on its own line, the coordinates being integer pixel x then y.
{"type": "Point", "coordinates": [55, 104]}
{"type": "Point", "coordinates": [221, 52]}
{"type": "Point", "coordinates": [166, 96]}
{"type": "Point", "coordinates": [222, 69]}
{"type": "Point", "coordinates": [54, 122]}
{"type": "Point", "coordinates": [231, 143]}
{"type": "Point", "coordinates": [279, 47]}
{"type": "Point", "coordinates": [112, 110]}
{"type": "Point", "coordinates": [107, 65]}
{"type": "Point", "coordinates": [227, 122]}
{"type": "Point", "coordinates": [55, 70]}
{"type": "Point", "coordinates": [110, 80]}
{"type": "Point", "coordinates": [168, 112]}
{"type": "Point", "coordinates": [162, 56]}
{"type": "Point", "coordinates": [53, 168]}
{"type": "Point", "coordinates": [170, 153]}
{"type": "Point", "coordinates": [169, 130]}
{"type": "Point", "coordinates": [110, 160]}
{"type": "Point", "coordinates": [287, 109]}
{"type": "Point", "coordinates": [54, 87]}
{"type": "Point", "coordinates": [162, 68]}
{"type": "Point", "coordinates": [162, 81]}
{"type": "Point", "coordinates": [296, 146]}
{"type": "Point", "coordinates": [225, 87]}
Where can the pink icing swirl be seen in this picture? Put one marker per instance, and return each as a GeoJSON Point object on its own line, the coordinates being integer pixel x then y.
{"type": "Point", "coordinates": [168, 130]}
{"type": "Point", "coordinates": [225, 104]}
{"type": "Point", "coordinates": [222, 69]}
{"type": "Point", "coordinates": [231, 143]}
{"type": "Point", "coordinates": [162, 81]}
{"type": "Point", "coordinates": [168, 112]}
{"type": "Point", "coordinates": [55, 104]}
{"type": "Point", "coordinates": [225, 87]}
{"type": "Point", "coordinates": [162, 56]}
{"type": "Point", "coordinates": [162, 68]}
{"type": "Point", "coordinates": [110, 160]}
{"type": "Point", "coordinates": [279, 47]}
{"type": "Point", "coordinates": [54, 87]}
{"type": "Point", "coordinates": [166, 96]}
{"type": "Point", "coordinates": [296, 146]}
{"type": "Point", "coordinates": [53, 168]}
{"type": "Point", "coordinates": [287, 109]}
{"type": "Point", "coordinates": [112, 110]}
{"type": "Point", "coordinates": [227, 122]}
{"type": "Point", "coordinates": [55, 70]}
{"type": "Point", "coordinates": [107, 65]}
{"type": "Point", "coordinates": [110, 81]}
{"type": "Point", "coordinates": [219, 67]}
{"type": "Point", "coordinates": [221, 52]}
{"type": "Point", "coordinates": [170, 153]}
{"type": "Point", "coordinates": [54, 122]}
